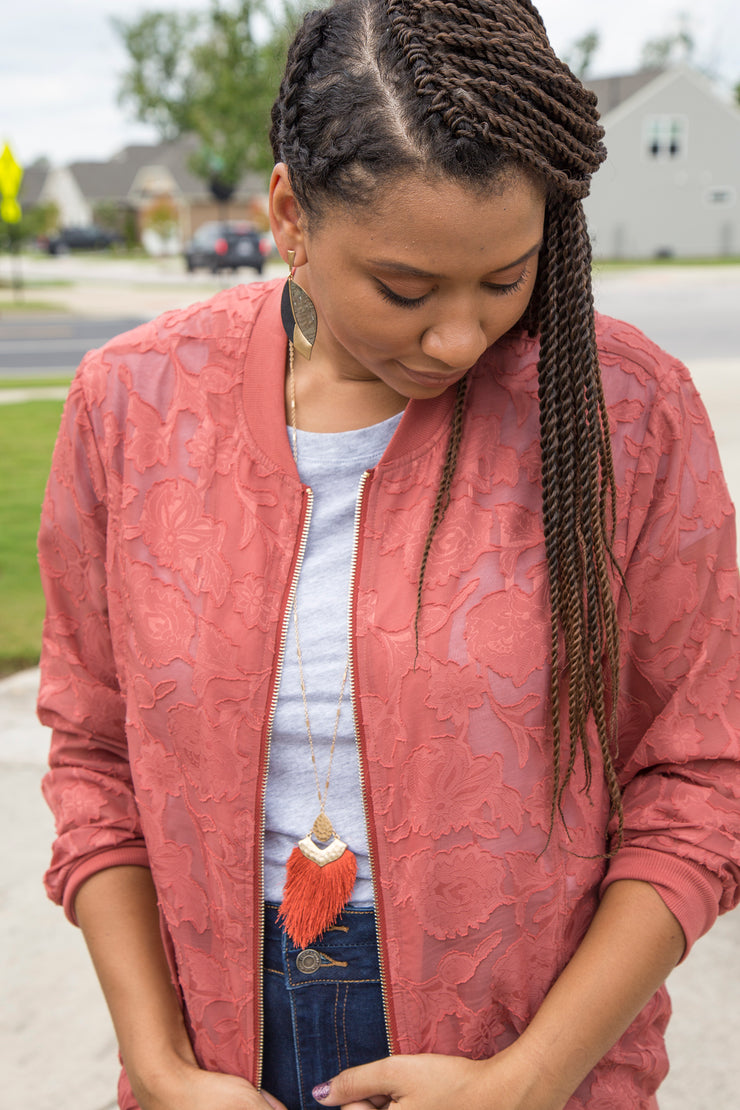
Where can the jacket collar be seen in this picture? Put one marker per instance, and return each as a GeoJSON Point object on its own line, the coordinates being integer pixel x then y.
{"type": "Point", "coordinates": [265, 360]}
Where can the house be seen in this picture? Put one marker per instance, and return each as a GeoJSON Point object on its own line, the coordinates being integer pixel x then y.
{"type": "Point", "coordinates": [154, 183]}
{"type": "Point", "coordinates": [671, 184]}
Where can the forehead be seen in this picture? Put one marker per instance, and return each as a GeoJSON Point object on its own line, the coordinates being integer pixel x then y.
{"type": "Point", "coordinates": [435, 224]}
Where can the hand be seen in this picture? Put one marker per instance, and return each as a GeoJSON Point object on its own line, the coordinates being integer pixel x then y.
{"type": "Point", "coordinates": [191, 1088]}
{"type": "Point", "coordinates": [432, 1082]}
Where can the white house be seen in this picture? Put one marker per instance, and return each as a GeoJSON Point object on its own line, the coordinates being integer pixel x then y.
{"type": "Point", "coordinates": [671, 184]}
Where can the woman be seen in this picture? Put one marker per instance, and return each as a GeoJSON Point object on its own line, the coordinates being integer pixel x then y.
{"type": "Point", "coordinates": [542, 620]}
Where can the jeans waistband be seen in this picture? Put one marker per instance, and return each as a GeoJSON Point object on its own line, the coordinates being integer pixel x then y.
{"type": "Point", "coordinates": [347, 951]}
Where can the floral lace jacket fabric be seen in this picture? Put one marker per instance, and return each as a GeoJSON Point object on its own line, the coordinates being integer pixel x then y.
{"type": "Point", "coordinates": [169, 539]}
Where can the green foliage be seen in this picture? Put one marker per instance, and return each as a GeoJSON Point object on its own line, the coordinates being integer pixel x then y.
{"type": "Point", "coordinates": [160, 81]}
{"type": "Point", "coordinates": [161, 217]}
{"type": "Point", "coordinates": [118, 217]}
{"type": "Point", "coordinates": [34, 222]}
{"type": "Point", "coordinates": [27, 435]}
{"type": "Point", "coordinates": [677, 46]}
{"type": "Point", "coordinates": [581, 53]}
{"type": "Point", "coordinates": [213, 75]}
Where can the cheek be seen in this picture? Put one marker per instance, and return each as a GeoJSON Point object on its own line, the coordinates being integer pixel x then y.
{"type": "Point", "coordinates": [378, 327]}
{"type": "Point", "coordinates": [505, 316]}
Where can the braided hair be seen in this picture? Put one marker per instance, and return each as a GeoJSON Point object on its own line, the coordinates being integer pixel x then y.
{"type": "Point", "coordinates": [471, 90]}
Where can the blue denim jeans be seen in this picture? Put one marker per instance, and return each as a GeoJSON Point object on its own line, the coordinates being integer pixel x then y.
{"type": "Point", "coordinates": [323, 1006]}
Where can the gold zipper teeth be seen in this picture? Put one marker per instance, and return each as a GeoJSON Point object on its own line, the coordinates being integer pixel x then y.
{"type": "Point", "coordinates": [363, 782]}
{"type": "Point", "coordinates": [270, 720]}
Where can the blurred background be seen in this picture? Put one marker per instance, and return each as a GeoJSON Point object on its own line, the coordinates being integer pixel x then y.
{"type": "Point", "coordinates": [133, 172]}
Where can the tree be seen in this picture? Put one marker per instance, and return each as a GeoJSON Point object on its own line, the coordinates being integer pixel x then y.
{"type": "Point", "coordinates": [35, 223]}
{"type": "Point", "coordinates": [212, 75]}
{"type": "Point", "coordinates": [160, 82]}
{"type": "Point", "coordinates": [581, 53]}
{"type": "Point", "coordinates": [677, 46]}
{"type": "Point", "coordinates": [118, 218]}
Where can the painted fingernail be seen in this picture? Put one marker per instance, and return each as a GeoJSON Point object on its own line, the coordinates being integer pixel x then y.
{"type": "Point", "coordinates": [321, 1091]}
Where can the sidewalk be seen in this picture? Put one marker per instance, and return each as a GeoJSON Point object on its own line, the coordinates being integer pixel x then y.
{"type": "Point", "coordinates": [54, 1026]}
{"type": "Point", "coordinates": [111, 287]}
{"type": "Point", "coordinates": [59, 1051]}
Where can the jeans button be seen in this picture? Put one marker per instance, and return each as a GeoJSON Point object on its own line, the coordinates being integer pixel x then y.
{"type": "Point", "coordinates": [308, 961]}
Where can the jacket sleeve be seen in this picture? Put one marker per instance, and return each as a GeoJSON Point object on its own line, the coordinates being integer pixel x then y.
{"type": "Point", "coordinates": [88, 786]}
{"type": "Point", "coordinates": [679, 719]}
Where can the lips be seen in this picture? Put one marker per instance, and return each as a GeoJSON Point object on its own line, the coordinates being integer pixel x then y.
{"type": "Point", "coordinates": [437, 381]}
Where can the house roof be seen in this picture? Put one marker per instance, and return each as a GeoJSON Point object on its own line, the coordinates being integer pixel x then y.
{"type": "Point", "coordinates": [32, 183]}
{"type": "Point", "coordinates": [125, 174]}
{"type": "Point", "coordinates": [633, 94]}
{"type": "Point", "coordinates": [612, 91]}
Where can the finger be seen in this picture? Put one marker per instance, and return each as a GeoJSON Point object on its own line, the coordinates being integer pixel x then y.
{"type": "Point", "coordinates": [378, 1102]}
{"type": "Point", "coordinates": [370, 1084]}
{"type": "Point", "coordinates": [275, 1103]}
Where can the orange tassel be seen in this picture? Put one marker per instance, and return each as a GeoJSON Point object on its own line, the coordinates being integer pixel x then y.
{"type": "Point", "coordinates": [318, 886]}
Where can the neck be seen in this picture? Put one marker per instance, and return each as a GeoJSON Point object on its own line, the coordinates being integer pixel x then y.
{"type": "Point", "coordinates": [327, 403]}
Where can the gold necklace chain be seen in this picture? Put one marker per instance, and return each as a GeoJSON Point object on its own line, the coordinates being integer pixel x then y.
{"type": "Point", "coordinates": [320, 826]}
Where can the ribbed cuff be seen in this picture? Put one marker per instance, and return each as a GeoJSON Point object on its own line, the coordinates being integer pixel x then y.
{"type": "Point", "coordinates": [128, 855]}
{"type": "Point", "coordinates": [691, 893]}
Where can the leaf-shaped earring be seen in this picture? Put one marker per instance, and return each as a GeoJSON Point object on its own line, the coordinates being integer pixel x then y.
{"type": "Point", "coordinates": [298, 313]}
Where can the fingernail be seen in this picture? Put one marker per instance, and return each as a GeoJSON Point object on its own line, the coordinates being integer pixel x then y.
{"type": "Point", "coordinates": [321, 1091]}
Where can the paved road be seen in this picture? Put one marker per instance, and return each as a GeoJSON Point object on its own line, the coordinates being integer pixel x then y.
{"type": "Point", "coordinates": [43, 345]}
{"type": "Point", "coordinates": [694, 312]}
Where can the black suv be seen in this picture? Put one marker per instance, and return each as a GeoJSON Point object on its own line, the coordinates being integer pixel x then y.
{"type": "Point", "coordinates": [226, 245]}
{"type": "Point", "coordinates": [89, 238]}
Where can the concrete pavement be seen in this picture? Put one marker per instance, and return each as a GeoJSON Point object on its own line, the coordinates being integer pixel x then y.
{"type": "Point", "coordinates": [58, 1049]}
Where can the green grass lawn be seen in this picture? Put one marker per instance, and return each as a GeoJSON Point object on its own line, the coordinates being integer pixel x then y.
{"type": "Point", "coordinates": [663, 263]}
{"type": "Point", "coordinates": [27, 435]}
{"type": "Point", "coordinates": [20, 307]}
{"type": "Point", "coordinates": [33, 383]}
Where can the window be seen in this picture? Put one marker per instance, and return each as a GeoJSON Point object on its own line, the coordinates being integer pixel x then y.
{"type": "Point", "coordinates": [722, 196]}
{"type": "Point", "coordinates": [665, 137]}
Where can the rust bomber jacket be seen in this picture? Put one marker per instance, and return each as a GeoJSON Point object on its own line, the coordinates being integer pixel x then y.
{"type": "Point", "coordinates": [169, 540]}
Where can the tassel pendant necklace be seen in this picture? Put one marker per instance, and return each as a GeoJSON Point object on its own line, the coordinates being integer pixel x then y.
{"type": "Point", "coordinates": [321, 870]}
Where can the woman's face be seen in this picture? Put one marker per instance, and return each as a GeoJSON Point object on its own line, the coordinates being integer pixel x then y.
{"type": "Point", "coordinates": [412, 290]}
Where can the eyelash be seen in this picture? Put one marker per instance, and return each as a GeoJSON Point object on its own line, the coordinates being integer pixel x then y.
{"type": "Point", "coordinates": [417, 302]}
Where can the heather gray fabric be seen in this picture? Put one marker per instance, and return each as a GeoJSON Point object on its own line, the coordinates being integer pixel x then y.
{"type": "Point", "coordinates": [332, 464]}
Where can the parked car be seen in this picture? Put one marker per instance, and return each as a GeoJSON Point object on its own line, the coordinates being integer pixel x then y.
{"type": "Point", "coordinates": [91, 238]}
{"type": "Point", "coordinates": [227, 245]}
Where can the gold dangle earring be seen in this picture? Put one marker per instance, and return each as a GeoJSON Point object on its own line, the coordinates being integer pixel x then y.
{"type": "Point", "coordinates": [298, 313]}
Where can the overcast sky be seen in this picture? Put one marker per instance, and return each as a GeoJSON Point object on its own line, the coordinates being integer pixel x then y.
{"type": "Point", "coordinates": [60, 62]}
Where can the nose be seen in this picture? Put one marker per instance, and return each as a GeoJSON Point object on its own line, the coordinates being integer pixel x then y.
{"type": "Point", "coordinates": [457, 339]}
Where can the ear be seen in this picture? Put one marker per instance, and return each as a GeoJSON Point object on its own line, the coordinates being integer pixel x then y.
{"type": "Point", "coordinates": [286, 218]}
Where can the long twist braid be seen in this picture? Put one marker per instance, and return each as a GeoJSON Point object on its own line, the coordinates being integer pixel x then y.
{"type": "Point", "coordinates": [444, 491]}
{"type": "Point", "coordinates": [500, 82]}
{"type": "Point", "coordinates": [578, 494]}
{"type": "Point", "coordinates": [471, 90]}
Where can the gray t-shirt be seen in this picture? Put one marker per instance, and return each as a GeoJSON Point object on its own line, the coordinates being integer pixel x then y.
{"type": "Point", "coordinates": [332, 464]}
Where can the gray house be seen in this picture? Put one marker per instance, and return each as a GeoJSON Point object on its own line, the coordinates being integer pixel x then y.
{"type": "Point", "coordinates": [671, 184]}
{"type": "Point", "coordinates": [139, 179]}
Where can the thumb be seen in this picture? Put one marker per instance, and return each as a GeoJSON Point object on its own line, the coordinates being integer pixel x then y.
{"type": "Point", "coordinates": [370, 1084]}
{"type": "Point", "coordinates": [275, 1103]}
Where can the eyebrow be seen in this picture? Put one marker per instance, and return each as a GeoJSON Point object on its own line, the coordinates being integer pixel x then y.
{"type": "Point", "coordinates": [413, 271]}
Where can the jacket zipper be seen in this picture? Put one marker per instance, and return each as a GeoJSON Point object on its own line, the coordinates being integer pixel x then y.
{"type": "Point", "coordinates": [363, 781]}
{"type": "Point", "coordinates": [303, 538]}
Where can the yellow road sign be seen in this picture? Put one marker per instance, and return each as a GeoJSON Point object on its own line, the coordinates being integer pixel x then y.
{"type": "Point", "coordinates": [11, 176]}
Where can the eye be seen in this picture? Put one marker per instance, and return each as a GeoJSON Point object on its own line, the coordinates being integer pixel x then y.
{"type": "Point", "coordinates": [512, 287]}
{"type": "Point", "coordinates": [396, 298]}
